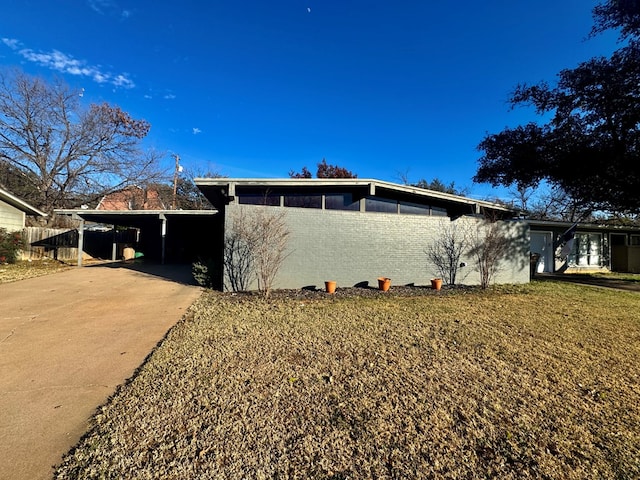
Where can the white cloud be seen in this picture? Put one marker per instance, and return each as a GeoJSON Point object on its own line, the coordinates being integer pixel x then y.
{"type": "Point", "coordinates": [123, 81]}
{"type": "Point", "coordinates": [169, 96]}
{"type": "Point", "coordinates": [109, 7]}
{"type": "Point", "coordinates": [12, 43]}
{"type": "Point", "coordinates": [196, 131]}
{"type": "Point", "coordinates": [61, 62]}
{"type": "Point", "coordinates": [100, 6]}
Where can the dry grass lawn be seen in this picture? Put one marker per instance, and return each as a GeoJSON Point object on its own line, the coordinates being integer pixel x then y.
{"type": "Point", "coordinates": [12, 272]}
{"type": "Point", "coordinates": [533, 381]}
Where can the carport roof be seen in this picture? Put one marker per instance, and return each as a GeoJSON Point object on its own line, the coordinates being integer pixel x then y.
{"type": "Point", "coordinates": [130, 218]}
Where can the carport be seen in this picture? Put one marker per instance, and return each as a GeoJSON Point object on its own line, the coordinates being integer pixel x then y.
{"type": "Point", "coordinates": [176, 236]}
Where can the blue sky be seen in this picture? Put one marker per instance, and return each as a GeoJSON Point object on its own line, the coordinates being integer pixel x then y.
{"type": "Point", "coordinates": [256, 88]}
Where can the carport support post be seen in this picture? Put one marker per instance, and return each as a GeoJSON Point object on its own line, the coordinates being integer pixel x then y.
{"type": "Point", "coordinates": [164, 233]}
{"type": "Point", "coordinates": [80, 237]}
{"type": "Point", "coordinates": [114, 247]}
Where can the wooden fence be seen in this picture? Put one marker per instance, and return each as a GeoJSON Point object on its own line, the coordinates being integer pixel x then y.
{"type": "Point", "coordinates": [62, 243]}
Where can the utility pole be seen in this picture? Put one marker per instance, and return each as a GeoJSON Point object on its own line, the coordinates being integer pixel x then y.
{"type": "Point", "coordinates": [175, 180]}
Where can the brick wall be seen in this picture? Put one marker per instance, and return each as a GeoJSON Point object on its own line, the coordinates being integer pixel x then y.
{"type": "Point", "coordinates": [356, 247]}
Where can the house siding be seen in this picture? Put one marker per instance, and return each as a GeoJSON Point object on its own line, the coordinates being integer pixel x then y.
{"type": "Point", "coordinates": [356, 247]}
{"type": "Point", "coordinates": [11, 218]}
{"type": "Point", "coordinates": [615, 251]}
{"type": "Point", "coordinates": [633, 265]}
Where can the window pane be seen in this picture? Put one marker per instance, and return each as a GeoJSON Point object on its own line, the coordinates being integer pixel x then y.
{"type": "Point", "coordinates": [340, 201]}
{"type": "Point", "coordinates": [303, 201]}
{"type": "Point", "coordinates": [438, 212]}
{"type": "Point", "coordinates": [595, 241]}
{"type": "Point", "coordinates": [586, 250]}
{"type": "Point", "coordinates": [380, 205]}
{"type": "Point", "coordinates": [259, 199]}
{"type": "Point", "coordinates": [414, 209]}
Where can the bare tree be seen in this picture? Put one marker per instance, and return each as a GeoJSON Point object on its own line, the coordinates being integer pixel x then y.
{"type": "Point", "coordinates": [445, 252]}
{"type": "Point", "coordinates": [556, 204]}
{"type": "Point", "coordinates": [68, 152]}
{"type": "Point", "coordinates": [521, 196]}
{"type": "Point", "coordinates": [489, 246]}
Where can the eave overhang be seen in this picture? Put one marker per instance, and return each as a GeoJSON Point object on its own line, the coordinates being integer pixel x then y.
{"type": "Point", "coordinates": [222, 191]}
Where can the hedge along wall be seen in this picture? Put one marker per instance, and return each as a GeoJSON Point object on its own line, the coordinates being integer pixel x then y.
{"type": "Point", "coordinates": [356, 247]}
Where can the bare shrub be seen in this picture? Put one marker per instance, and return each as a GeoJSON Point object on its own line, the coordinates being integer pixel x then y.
{"type": "Point", "coordinates": [269, 243]}
{"type": "Point", "coordinates": [255, 245]}
{"type": "Point", "coordinates": [445, 252]}
{"type": "Point", "coordinates": [238, 257]}
{"type": "Point", "coordinates": [489, 246]}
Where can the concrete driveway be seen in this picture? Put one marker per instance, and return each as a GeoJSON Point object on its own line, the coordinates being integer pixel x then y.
{"type": "Point", "coordinates": [67, 340]}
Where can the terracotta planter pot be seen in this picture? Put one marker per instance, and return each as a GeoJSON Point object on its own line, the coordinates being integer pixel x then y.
{"type": "Point", "coordinates": [384, 283]}
{"type": "Point", "coordinates": [436, 283]}
{"type": "Point", "coordinates": [330, 286]}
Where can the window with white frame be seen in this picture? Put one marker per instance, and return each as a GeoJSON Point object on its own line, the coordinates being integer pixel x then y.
{"type": "Point", "coordinates": [587, 250]}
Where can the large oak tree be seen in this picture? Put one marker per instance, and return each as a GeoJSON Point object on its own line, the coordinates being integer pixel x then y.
{"type": "Point", "coordinates": [590, 144]}
{"type": "Point", "coordinates": [65, 153]}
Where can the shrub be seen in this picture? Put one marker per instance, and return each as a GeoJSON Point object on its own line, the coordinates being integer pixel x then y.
{"type": "Point", "coordinates": [489, 246]}
{"type": "Point", "coordinates": [255, 247]}
{"type": "Point", "coordinates": [204, 272]}
{"type": "Point", "coordinates": [10, 244]}
{"type": "Point", "coordinates": [238, 255]}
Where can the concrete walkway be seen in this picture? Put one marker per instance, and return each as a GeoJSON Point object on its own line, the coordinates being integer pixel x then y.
{"type": "Point", "coordinates": [67, 340]}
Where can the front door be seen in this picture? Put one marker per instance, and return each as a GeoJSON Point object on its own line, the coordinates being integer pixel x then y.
{"type": "Point", "coordinates": [541, 243]}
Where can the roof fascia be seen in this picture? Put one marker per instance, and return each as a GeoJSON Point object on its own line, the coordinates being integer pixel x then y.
{"type": "Point", "coordinates": [231, 183]}
{"type": "Point", "coordinates": [581, 226]}
{"type": "Point", "coordinates": [20, 204]}
{"type": "Point", "coordinates": [112, 213]}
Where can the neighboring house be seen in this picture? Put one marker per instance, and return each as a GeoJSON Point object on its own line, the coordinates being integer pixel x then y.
{"type": "Point", "coordinates": [13, 211]}
{"type": "Point", "coordinates": [132, 198]}
{"type": "Point", "coordinates": [595, 247]}
{"type": "Point", "coordinates": [356, 230]}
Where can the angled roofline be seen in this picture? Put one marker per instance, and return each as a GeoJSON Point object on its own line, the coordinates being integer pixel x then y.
{"type": "Point", "coordinates": [371, 184]}
{"type": "Point", "coordinates": [581, 225]}
{"type": "Point", "coordinates": [16, 202]}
